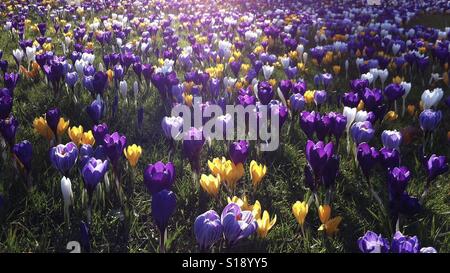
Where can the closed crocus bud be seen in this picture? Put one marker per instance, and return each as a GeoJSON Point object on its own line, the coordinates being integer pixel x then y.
{"type": "Point", "coordinates": [71, 79]}
{"type": "Point", "coordinates": [239, 151]}
{"type": "Point", "coordinates": [350, 114]}
{"type": "Point", "coordinates": [193, 142]}
{"type": "Point", "coordinates": [163, 206]}
{"type": "Point", "coordinates": [93, 172]}
{"type": "Point", "coordinates": [6, 103]}
{"type": "Point", "coordinates": [66, 189]}
{"type": "Point", "coordinates": [64, 157]}
{"type": "Point", "coordinates": [300, 210]}
{"type": "Point", "coordinates": [99, 132]}
{"type": "Point", "coordinates": [429, 119]}
{"type": "Point", "coordinates": [394, 91]}
{"type": "Point", "coordinates": [95, 110]}
{"type": "Point", "coordinates": [257, 172]}
{"type": "Point", "coordinates": [265, 92]}
{"type": "Point", "coordinates": [436, 165]}
{"type": "Point", "coordinates": [210, 184]}
{"type": "Point", "coordinates": [159, 176]}
{"type": "Point", "coordinates": [40, 126]}
{"type": "Point", "coordinates": [52, 116]}
{"type": "Point", "coordinates": [317, 155]}
{"type": "Point", "coordinates": [172, 126]}
{"type": "Point", "coordinates": [297, 102]}
{"type": "Point", "coordinates": [428, 250]}
{"type": "Point", "coordinates": [367, 157]}
{"type": "Point", "coordinates": [207, 229]}
{"type": "Point", "coordinates": [308, 123]}
{"type": "Point", "coordinates": [373, 243]}
{"type": "Point", "coordinates": [23, 151]}
{"type": "Point", "coordinates": [391, 139]}
{"type": "Point", "coordinates": [123, 87]}
{"type": "Point", "coordinates": [337, 124]}
{"type": "Point", "coordinates": [237, 224]}
{"type": "Point", "coordinates": [133, 153]}
{"type": "Point", "coordinates": [320, 97]}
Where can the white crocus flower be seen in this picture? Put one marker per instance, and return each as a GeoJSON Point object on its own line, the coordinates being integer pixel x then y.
{"type": "Point", "coordinates": [66, 189]}
{"type": "Point", "coordinates": [431, 98]}
{"type": "Point", "coordinates": [123, 88]}
{"type": "Point", "coordinates": [383, 74]}
{"type": "Point", "coordinates": [407, 87]}
{"type": "Point", "coordinates": [18, 54]}
{"type": "Point", "coordinates": [267, 71]}
{"type": "Point", "coordinates": [368, 76]}
{"type": "Point", "coordinates": [361, 115]}
{"type": "Point", "coordinates": [350, 114]}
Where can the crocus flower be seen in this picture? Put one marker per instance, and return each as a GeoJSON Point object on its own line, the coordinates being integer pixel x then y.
{"type": "Point", "coordinates": [233, 172]}
{"type": "Point", "coordinates": [87, 138]}
{"type": "Point", "coordinates": [404, 244]}
{"type": "Point", "coordinates": [192, 146]}
{"type": "Point", "coordinates": [429, 120]}
{"type": "Point", "coordinates": [257, 172]}
{"type": "Point", "coordinates": [62, 127]}
{"type": "Point", "coordinates": [99, 132]}
{"type": "Point", "coordinates": [265, 92]}
{"type": "Point", "coordinates": [389, 158]}
{"type": "Point", "coordinates": [163, 206]}
{"type": "Point", "coordinates": [93, 172]}
{"type": "Point", "coordinates": [64, 157]}
{"type": "Point", "coordinates": [362, 132]}
{"type": "Point", "coordinates": [373, 243]}
{"type": "Point", "coordinates": [265, 224]}
{"type": "Point", "coordinates": [95, 110]}
{"type": "Point", "coordinates": [297, 102]}
{"type": "Point", "coordinates": [75, 134]}
{"type": "Point", "coordinates": [300, 210]}
{"type": "Point", "coordinates": [239, 151]}
{"type": "Point", "coordinates": [431, 98]}
{"type": "Point", "coordinates": [133, 153]}
{"type": "Point", "coordinates": [308, 123]}
{"type": "Point", "coordinates": [367, 157]}
{"type": "Point", "coordinates": [391, 139]}
{"type": "Point", "coordinates": [6, 103]}
{"type": "Point", "coordinates": [237, 224]}
{"type": "Point", "coordinates": [338, 123]}
{"type": "Point", "coordinates": [394, 91]}
{"type": "Point", "coordinates": [436, 165]}
{"type": "Point", "coordinates": [66, 189]}
{"type": "Point", "coordinates": [218, 167]}
{"type": "Point", "coordinates": [210, 184]}
{"type": "Point", "coordinates": [320, 97]}
{"type": "Point", "coordinates": [23, 151]}
{"type": "Point", "coordinates": [172, 126]}
{"type": "Point", "coordinates": [332, 170]}
{"type": "Point", "coordinates": [330, 226]}
{"type": "Point", "coordinates": [322, 126]}
{"type": "Point", "coordinates": [159, 176]}
{"type": "Point", "coordinates": [99, 82]}
{"type": "Point", "coordinates": [398, 178]}
{"type": "Point", "coordinates": [207, 229]}
{"type": "Point", "coordinates": [52, 116]}
{"type": "Point", "coordinates": [41, 127]}
{"type": "Point", "coordinates": [114, 145]}
{"type": "Point", "coordinates": [317, 155]}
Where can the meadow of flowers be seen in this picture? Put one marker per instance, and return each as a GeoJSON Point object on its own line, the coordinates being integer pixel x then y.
{"type": "Point", "coordinates": [92, 154]}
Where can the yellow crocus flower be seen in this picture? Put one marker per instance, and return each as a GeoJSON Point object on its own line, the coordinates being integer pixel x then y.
{"type": "Point", "coordinates": [88, 138]}
{"type": "Point", "coordinates": [41, 127]}
{"type": "Point", "coordinates": [233, 173]}
{"type": "Point", "coordinates": [300, 210]}
{"type": "Point", "coordinates": [217, 166]}
{"type": "Point", "coordinates": [257, 172]}
{"type": "Point", "coordinates": [309, 96]}
{"type": "Point", "coordinates": [133, 153]}
{"type": "Point", "coordinates": [62, 126]}
{"type": "Point", "coordinates": [324, 213]}
{"type": "Point", "coordinates": [76, 134]}
{"type": "Point", "coordinates": [329, 225]}
{"type": "Point", "coordinates": [391, 116]}
{"type": "Point", "coordinates": [265, 224]}
{"type": "Point", "coordinates": [210, 184]}
{"type": "Point", "coordinates": [188, 99]}
{"type": "Point", "coordinates": [360, 105]}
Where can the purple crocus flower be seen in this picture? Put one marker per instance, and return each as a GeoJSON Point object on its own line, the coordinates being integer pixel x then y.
{"type": "Point", "coordinates": [337, 125]}
{"type": "Point", "coordinates": [359, 85]}
{"type": "Point", "coordinates": [10, 81]}
{"type": "Point", "coordinates": [317, 155]}
{"type": "Point", "coordinates": [64, 157]}
{"type": "Point", "coordinates": [308, 123]}
{"type": "Point", "coordinates": [350, 99]}
{"type": "Point", "coordinates": [394, 91]}
{"type": "Point", "coordinates": [265, 92]}
{"type": "Point", "coordinates": [404, 244]}
{"type": "Point", "coordinates": [207, 229]}
{"type": "Point", "coordinates": [429, 120]}
{"type": "Point", "coordinates": [237, 224]}
{"type": "Point", "coordinates": [367, 157]}
{"type": "Point", "coordinates": [6, 103]}
{"type": "Point", "coordinates": [332, 170]}
{"type": "Point", "coordinates": [23, 151]}
{"type": "Point", "coordinates": [85, 152]}
{"type": "Point", "coordinates": [362, 131]}
{"type": "Point", "coordinates": [95, 110]}
{"type": "Point", "coordinates": [52, 117]}
{"type": "Point", "coordinates": [159, 176]}
{"type": "Point", "coordinates": [93, 172]}
{"type": "Point", "coordinates": [398, 178]}
{"type": "Point", "coordinates": [193, 141]}
{"type": "Point", "coordinates": [320, 97]}
{"type": "Point", "coordinates": [389, 158]}
{"type": "Point", "coordinates": [163, 206]}
{"type": "Point", "coordinates": [8, 129]}
{"type": "Point", "coordinates": [436, 165]}
{"type": "Point", "coordinates": [297, 102]}
{"type": "Point", "coordinates": [299, 87]}
{"type": "Point", "coordinates": [239, 151]}
{"type": "Point", "coordinates": [323, 126]}
{"type": "Point", "coordinates": [373, 243]}
{"type": "Point", "coordinates": [372, 98]}
{"type": "Point", "coordinates": [71, 79]}
{"type": "Point", "coordinates": [99, 82]}
{"type": "Point", "coordinates": [85, 236]}
{"type": "Point", "coordinates": [285, 88]}
{"type": "Point", "coordinates": [99, 131]}
{"type": "Point", "coordinates": [391, 139]}
{"type": "Point", "coordinates": [114, 145]}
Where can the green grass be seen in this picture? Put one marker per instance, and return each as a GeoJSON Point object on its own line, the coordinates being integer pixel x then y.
{"type": "Point", "coordinates": [33, 221]}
